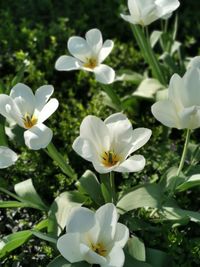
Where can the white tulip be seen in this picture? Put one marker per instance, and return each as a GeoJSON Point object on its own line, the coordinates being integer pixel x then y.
{"type": "Point", "coordinates": [30, 111]}
{"type": "Point", "coordinates": [88, 54]}
{"type": "Point", "coordinates": [95, 237]}
{"type": "Point", "coordinates": [7, 157]}
{"type": "Point", "coordinates": [109, 144]}
{"type": "Point", "coordinates": [182, 108]}
{"type": "Point", "coordinates": [144, 12]}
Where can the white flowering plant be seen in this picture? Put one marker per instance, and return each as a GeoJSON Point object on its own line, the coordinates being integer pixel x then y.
{"type": "Point", "coordinates": [98, 222]}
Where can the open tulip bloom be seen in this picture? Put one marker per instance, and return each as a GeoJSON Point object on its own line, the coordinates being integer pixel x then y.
{"type": "Point", "coordinates": [182, 108]}
{"type": "Point", "coordinates": [30, 111]}
{"type": "Point", "coordinates": [88, 54]}
{"type": "Point", "coordinates": [144, 12]}
{"type": "Point", "coordinates": [108, 144]}
{"type": "Point", "coordinates": [7, 157]}
{"type": "Point", "coordinates": [95, 237]}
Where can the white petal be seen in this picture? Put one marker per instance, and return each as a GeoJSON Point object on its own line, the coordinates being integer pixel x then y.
{"type": "Point", "coordinates": [42, 95]}
{"type": "Point", "coordinates": [104, 74]}
{"type": "Point", "coordinates": [94, 40]}
{"type": "Point", "coordinates": [24, 98]}
{"type": "Point", "coordinates": [133, 164]}
{"type": "Point", "coordinates": [190, 117]}
{"type": "Point", "coordinates": [69, 247]}
{"type": "Point", "coordinates": [105, 50]}
{"type": "Point", "coordinates": [195, 62]}
{"type": "Point", "coordinates": [67, 63]}
{"type": "Point", "coordinates": [90, 256]}
{"type": "Point", "coordinates": [107, 218]}
{"type": "Point", "coordinates": [175, 91]}
{"type": "Point", "coordinates": [129, 18]}
{"type": "Point", "coordinates": [134, 8]}
{"type": "Point", "coordinates": [7, 157]}
{"type": "Point", "coordinates": [95, 130]}
{"type": "Point", "coordinates": [121, 235]}
{"type": "Point", "coordinates": [115, 258]}
{"type": "Point", "coordinates": [165, 112]}
{"type": "Point", "coordinates": [100, 168]}
{"type": "Point", "coordinates": [79, 48]}
{"type": "Point", "coordinates": [84, 148]}
{"type": "Point", "coordinates": [48, 110]}
{"type": "Point", "coordinates": [165, 7]}
{"type": "Point", "coordinates": [9, 110]}
{"type": "Point", "coordinates": [191, 91]}
{"type": "Point", "coordinates": [37, 137]}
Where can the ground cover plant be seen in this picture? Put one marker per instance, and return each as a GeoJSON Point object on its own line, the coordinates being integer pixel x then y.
{"type": "Point", "coordinates": [112, 177]}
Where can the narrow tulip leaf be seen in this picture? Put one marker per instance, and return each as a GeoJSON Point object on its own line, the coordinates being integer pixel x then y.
{"type": "Point", "coordinates": [13, 204]}
{"type": "Point", "coordinates": [136, 248]}
{"type": "Point", "coordinates": [179, 214]}
{"type": "Point", "coordinates": [128, 75]}
{"type": "Point", "coordinates": [13, 241]}
{"type": "Point", "coordinates": [92, 187]}
{"type": "Point", "coordinates": [60, 209]}
{"type": "Point", "coordinates": [3, 138]}
{"type": "Point", "coordinates": [149, 195]}
{"type": "Point", "coordinates": [157, 258]}
{"type": "Point", "coordinates": [44, 236]}
{"type": "Point", "coordinates": [155, 37]}
{"type": "Point", "coordinates": [61, 262]}
{"type": "Point", "coordinates": [26, 191]}
{"type": "Point", "coordinates": [193, 181]}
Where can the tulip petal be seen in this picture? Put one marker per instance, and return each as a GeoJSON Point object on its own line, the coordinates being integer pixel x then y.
{"type": "Point", "coordinates": [7, 157]}
{"type": "Point", "coordinates": [95, 130]}
{"type": "Point", "coordinates": [9, 110]}
{"type": "Point", "coordinates": [165, 112]}
{"type": "Point", "coordinates": [107, 218]}
{"type": "Point", "coordinates": [90, 256]}
{"type": "Point", "coordinates": [84, 148]}
{"type": "Point", "coordinates": [104, 74]}
{"type": "Point", "coordinates": [134, 163]}
{"type": "Point", "coordinates": [80, 220]}
{"type": "Point", "coordinates": [24, 98]}
{"type": "Point", "coordinates": [48, 110]}
{"type": "Point", "coordinates": [67, 63]}
{"type": "Point", "coordinates": [166, 7]}
{"type": "Point", "coordinates": [79, 48]}
{"type": "Point", "coordinates": [69, 247]}
{"type": "Point", "coordinates": [105, 50]}
{"type": "Point", "coordinates": [176, 86]}
{"type": "Point", "coordinates": [129, 19]}
{"type": "Point", "coordinates": [94, 40]}
{"type": "Point", "coordinates": [42, 95]}
{"type": "Point", "coordinates": [115, 258]}
{"type": "Point", "coordinates": [121, 235]}
{"type": "Point", "coordinates": [190, 117]}
{"type": "Point", "coordinates": [37, 137]}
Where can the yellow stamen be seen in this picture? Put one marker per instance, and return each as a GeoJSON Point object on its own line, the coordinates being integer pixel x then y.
{"type": "Point", "coordinates": [110, 159]}
{"type": "Point", "coordinates": [29, 121]}
{"type": "Point", "coordinates": [91, 63]}
{"type": "Point", "coordinates": [99, 248]}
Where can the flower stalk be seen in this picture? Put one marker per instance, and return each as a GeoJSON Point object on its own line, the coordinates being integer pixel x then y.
{"type": "Point", "coordinates": [58, 158]}
{"type": "Point", "coordinates": [112, 186]}
{"type": "Point", "coordinates": [187, 139]}
{"type": "Point", "coordinates": [148, 53]}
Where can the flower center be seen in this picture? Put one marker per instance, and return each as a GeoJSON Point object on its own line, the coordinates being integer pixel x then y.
{"type": "Point", "coordinates": [110, 159]}
{"type": "Point", "coordinates": [99, 248]}
{"type": "Point", "coordinates": [91, 63]}
{"type": "Point", "coordinates": [29, 121]}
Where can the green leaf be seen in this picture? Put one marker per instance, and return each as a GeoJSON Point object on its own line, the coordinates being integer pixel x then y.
{"type": "Point", "coordinates": [27, 192]}
{"type": "Point", "coordinates": [136, 248]}
{"type": "Point", "coordinates": [44, 236]}
{"type": "Point", "coordinates": [131, 262]}
{"type": "Point", "coordinates": [155, 37]}
{"type": "Point", "coordinates": [13, 204]}
{"type": "Point", "coordinates": [149, 195]}
{"type": "Point", "coordinates": [3, 138]}
{"type": "Point", "coordinates": [178, 214]}
{"type": "Point", "coordinates": [157, 258]}
{"type": "Point", "coordinates": [61, 262]}
{"type": "Point", "coordinates": [128, 75]}
{"type": "Point", "coordinates": [13, 241]}
{"type": "Point", "coordinates": [92, 187]}
{"type": "Point", "coordinates": [60, 209]}
{"type": "Point", "coordinates": [148, 88]}
{"type": "Point", "coordinates": [169, 181]}
{"type": "Point", "coordinates": [193, 181]}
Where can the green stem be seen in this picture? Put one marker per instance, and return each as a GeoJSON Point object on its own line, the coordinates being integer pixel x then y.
{"type": "Point", "coordinates": [187, 139]}
{"type": "Point", "coordinates": [148, 54]}
{"type": "Point", "coordinates": [3, 138]}
{"type": "Point", "coordinates": [58, 158]}
{"type": "Point", "coordinates": [112, 186]}
{"type": "Point", "coordinates": [113, 96]}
